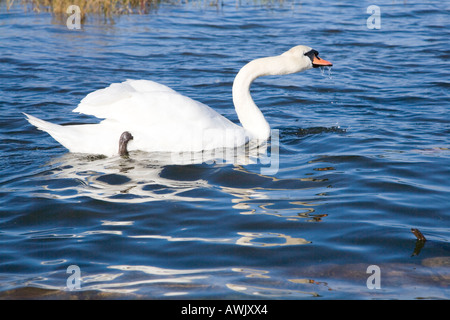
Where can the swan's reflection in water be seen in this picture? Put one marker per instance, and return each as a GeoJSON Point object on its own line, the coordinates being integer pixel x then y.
{"type": "Point", "coordinates": [145, 177]}
{"type": "Point", "coordinates": [136, 179]}
{"type": "Point", "coordinates": [116, 179]}
{"type": "Point", "coordinates": [140, 179]}
{"type": "Point", "coordinates": [275, 203]}
{"type": "Point", "coordinates": [261, 239]}
{"type": "Point", "coordinates": [256, 239]}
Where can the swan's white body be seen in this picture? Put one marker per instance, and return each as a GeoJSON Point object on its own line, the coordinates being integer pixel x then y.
{"type": "Point", "coordinates": [160, 119]}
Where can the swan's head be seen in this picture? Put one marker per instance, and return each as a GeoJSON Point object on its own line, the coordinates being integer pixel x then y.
{"type": "Point", "coordinates": [123, 142]}
{"type": "Point", "coordinates": [304, 58]}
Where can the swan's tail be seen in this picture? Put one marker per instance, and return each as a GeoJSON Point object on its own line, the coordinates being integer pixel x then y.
{"type": "Point", "coordinates": [58, 132]}
{"type": "Point", "coordinates": [99, 138]}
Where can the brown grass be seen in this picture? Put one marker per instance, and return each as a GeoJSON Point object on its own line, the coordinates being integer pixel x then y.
{"type": "Point", "coordinates": [105, 7]}
{"type": "Point", "coordinates": [109, 8]}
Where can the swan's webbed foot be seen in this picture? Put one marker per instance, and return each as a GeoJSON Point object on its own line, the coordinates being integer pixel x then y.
{"type": "Point", "coordinates": [123, 143]}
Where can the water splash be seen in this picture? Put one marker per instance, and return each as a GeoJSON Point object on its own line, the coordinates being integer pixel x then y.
{"type": "Point", "coordinates": [322, 71]}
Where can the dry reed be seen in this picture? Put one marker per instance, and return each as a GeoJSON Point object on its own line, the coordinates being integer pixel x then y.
{"type": "Point", "coordinates": [109, 8]}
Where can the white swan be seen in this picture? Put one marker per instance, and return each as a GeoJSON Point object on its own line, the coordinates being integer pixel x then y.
{"type": "Point", "coordinates": [161, 119]}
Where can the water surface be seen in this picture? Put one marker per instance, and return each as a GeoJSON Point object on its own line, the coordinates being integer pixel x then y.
{"type": "Point", "coordinates": [363, 158]}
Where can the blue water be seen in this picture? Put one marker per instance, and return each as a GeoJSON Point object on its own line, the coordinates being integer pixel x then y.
{"type": "Point", "coordinates": [363, 157]}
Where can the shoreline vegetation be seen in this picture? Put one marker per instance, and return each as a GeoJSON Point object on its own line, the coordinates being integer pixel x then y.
{"type": "Point", "coordinates": [110, 8]}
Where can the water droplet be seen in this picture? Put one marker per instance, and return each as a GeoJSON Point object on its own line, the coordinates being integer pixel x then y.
{"type": "Point", "coordinates": [322, 71]}
{"type": "Point", "coordinates": [329, 72]}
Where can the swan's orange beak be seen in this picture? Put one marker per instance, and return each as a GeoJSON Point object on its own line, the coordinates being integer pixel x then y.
{"type": "Point", "coordinates": [317, 62]}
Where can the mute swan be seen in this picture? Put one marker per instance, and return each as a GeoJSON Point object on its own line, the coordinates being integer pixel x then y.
{"type": "Point", "coordinates": [161, 119]}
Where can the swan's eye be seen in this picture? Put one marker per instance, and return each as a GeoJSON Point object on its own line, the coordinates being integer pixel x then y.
{"type": "Point", "coordinates": [311, 54]}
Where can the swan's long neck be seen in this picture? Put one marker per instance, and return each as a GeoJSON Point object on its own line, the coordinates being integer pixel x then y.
{"type": "Point", "coordinates": [249, 114]}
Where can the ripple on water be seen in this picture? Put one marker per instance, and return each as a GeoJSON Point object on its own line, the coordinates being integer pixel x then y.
{"type": "Point", "coordinates": [363, 158]}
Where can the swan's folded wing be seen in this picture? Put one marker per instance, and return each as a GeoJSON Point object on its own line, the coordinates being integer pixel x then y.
{"type": "Point", "coordinates": [98, 103]}
{"type": "Point", "coordinates": [159, 118]}
{"type": "Point", "coordinates": [147, 103]}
